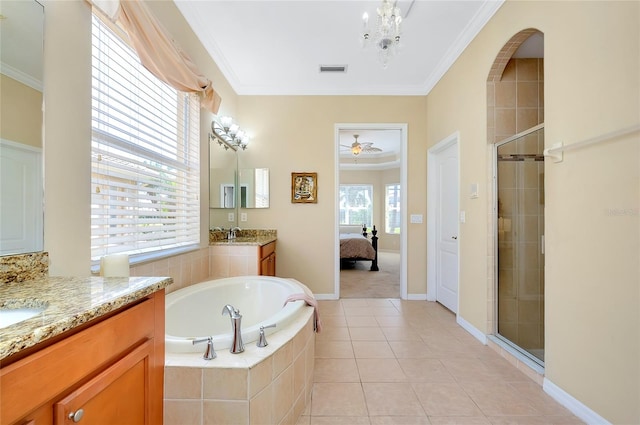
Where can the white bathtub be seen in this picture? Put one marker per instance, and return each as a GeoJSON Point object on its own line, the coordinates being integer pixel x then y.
{"type": "Point", "coordinates": [196, 311]}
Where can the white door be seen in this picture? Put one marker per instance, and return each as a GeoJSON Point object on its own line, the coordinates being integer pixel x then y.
{"type": "Point", "coordinates": [447, 227]}
{"type": "Point", "coordinates": [20, 198]}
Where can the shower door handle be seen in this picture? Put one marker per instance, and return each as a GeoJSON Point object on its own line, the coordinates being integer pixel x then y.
{"type": "Point", "coordinates": [454, 237]}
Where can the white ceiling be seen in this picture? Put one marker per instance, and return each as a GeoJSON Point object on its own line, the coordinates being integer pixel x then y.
{"type": "Point", "coordinates": [266, 47]}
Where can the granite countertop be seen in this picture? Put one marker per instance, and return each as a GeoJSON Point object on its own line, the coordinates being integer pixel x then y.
{"type": "Point", "coordinates": [255, 237]}
{"type": "Point", "coordinates": [242, 240]}
{"type": "Point", "coordinates": [70, 301]}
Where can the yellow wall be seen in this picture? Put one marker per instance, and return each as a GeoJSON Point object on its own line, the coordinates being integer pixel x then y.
{"type": "Point", "coordinates": [592, 87]}
{"type": "Point", "coordinates": [20, 112]}
{"type": "Point", "coordinates": [297, 134]}
{"type": "Point", "coordinates": [592, 224]}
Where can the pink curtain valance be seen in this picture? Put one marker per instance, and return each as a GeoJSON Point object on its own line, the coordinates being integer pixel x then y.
{"type": "Point", "coordinates": [158, 52]}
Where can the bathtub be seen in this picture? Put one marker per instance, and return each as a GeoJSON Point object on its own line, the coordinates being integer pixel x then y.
{"type": "Point", "coordinates": [196, 311]}
{"type": "Point", "coordinates": [271, 384]}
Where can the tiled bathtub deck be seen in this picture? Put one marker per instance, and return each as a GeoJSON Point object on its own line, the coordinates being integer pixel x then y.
{"type": "Point", "coordinates": [408, 362]}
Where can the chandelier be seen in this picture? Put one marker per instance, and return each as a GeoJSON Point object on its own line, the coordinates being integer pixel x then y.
{"type": "Point", "coordinates": [228, 134]}
{"type": "Point", "coordinates": [386, 34]}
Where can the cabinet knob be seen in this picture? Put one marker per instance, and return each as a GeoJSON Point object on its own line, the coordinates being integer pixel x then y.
{"type": "Point", "coordinates": [77, 415]}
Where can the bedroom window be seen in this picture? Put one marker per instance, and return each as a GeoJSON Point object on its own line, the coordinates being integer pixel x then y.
{"type": "Point", "coordinates": [356, 204]}
{"type": "Point", "coordinates": [392, 208]}
{"type": "Point", "coordinates": [145, 157]}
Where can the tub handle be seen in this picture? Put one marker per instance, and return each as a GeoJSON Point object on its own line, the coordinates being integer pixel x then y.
{"type": "Point", "coordinates": [209, 353]}
{"type": "Point", "coordinates": [262, 339]}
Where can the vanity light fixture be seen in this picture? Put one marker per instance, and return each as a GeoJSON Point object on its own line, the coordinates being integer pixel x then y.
{"type": "Point", "coordinates": [386, 34]}
{"type": "Point", "coordinates": [228, 134]}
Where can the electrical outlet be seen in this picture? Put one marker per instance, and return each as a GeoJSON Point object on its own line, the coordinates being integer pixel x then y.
{"type": "Point", "coordinates": [231, 217]}
{"type": "Point", "coordinates": [243, 216]}
{"type": "Point", "coordinates": [416, 218]}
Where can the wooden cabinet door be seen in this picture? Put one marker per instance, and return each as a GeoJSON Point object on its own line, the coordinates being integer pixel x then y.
{"type": "Point", "coordinates": [268, 265]}
{"type": "Point", "coordinates": [118, 395]}
{"type": "Point", "coordinates": [268, 259]}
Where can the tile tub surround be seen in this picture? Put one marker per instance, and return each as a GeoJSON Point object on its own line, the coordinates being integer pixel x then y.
{"type": "Point", "coordinates": [23, 267]}
{"type": "Point", "coordinates": [270, 385]}
{"type": "Point", "coordinates": [72, 301]}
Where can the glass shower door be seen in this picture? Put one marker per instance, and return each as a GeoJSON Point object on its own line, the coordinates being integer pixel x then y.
{"type": "Point", "coordinates": [520, 241]}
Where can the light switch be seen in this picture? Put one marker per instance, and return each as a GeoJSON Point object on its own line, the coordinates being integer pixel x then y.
{"type": "Point", "coordinates": [416, 218]}
{"type": "Point", "coordinates": [463, 216]}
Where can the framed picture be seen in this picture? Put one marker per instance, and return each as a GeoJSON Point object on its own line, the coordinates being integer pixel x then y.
{"type": "Point", "coordinates": [304, 188]}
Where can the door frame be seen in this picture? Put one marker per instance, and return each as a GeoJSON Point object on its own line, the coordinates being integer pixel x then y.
{"type": "Point", "coordinates": [403, 127]}
{"type": "Point", "coordinates": [432, 191]}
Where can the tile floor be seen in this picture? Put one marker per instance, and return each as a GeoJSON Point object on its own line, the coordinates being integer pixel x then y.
{"type": "Point", "coordinates": [381, 361]}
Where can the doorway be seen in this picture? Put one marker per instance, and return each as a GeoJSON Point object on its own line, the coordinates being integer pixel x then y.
{"type": "Point", "coordinates": [384, 171]}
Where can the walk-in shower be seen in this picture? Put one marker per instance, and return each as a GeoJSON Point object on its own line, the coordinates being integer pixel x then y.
{"type": "Point", "coordinates": [520, 242]}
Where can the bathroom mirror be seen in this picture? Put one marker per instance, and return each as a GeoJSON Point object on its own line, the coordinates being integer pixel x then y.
{"type": "Point", "coordinates": [21, 102]}
{"type": "Point", "coordinates": [223, 166]}
{"type": "Point", "coordinates": [233, 187]}
{"type": "Point", "coordinates": [253, 186]}
{"type": "Point", "coordinates": [222, 188]}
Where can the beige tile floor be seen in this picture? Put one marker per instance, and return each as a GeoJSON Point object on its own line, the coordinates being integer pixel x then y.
{"type": "Point", "coordinates": [386, 362]}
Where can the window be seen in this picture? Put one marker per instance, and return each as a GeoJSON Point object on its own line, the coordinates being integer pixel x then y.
{"type": "Point", "coordinates": [145, 156]}
{"type": "Point", "coordinates": [392, 208]}
{"type": "Point", "coordinates": [356, 204]}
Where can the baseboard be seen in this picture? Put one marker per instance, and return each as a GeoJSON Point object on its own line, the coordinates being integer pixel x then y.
{"type": "Point", "coordinates": [417, 297]}
{"type": "Point", "coordinates": [480, 336]}
{"type": "Point", "coordinates": [575, 406]}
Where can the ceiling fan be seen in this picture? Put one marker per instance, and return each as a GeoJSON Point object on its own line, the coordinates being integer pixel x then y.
{"type": "Point", "coordinates": [364, 147]}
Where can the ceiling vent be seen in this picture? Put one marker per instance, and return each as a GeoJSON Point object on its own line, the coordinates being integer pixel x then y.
{"type": "Point", "coordinates": [333, 68]}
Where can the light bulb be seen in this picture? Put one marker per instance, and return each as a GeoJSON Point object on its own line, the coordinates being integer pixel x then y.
{"type": "Point", "coordinates": [226, 122]}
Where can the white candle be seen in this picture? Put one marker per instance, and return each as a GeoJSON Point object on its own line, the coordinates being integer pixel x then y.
{"type": "Point", "coordinates": [115, 265]}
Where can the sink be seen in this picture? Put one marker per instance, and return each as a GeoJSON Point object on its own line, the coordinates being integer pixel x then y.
{"type": "Point", "coordinates": [16, 311]}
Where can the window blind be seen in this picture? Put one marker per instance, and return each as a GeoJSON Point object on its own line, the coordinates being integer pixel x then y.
{"type": "Point", "coordinates": [145, 156]}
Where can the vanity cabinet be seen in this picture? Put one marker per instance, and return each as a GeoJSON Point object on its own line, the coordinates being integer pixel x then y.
{"type": "Point", "coordinates": [110, 371]}
{"type": "Point", "coordinates": [267, 259]}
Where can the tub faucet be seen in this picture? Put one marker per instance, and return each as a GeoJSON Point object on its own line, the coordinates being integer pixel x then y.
{"type": "Point", "coordinates": [209, 353]}
{"type": "Point", "coordinates": [236, 318]}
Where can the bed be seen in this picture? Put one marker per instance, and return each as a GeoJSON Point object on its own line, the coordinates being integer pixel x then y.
{"type": "Point", "coordinates": [355, 245]}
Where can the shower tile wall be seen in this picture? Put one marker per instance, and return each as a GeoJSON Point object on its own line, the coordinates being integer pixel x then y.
{"type": "Point", "coordinates": [518, 100]}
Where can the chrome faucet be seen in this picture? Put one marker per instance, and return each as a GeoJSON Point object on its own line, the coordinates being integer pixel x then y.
{"type": "Point", "coordinates": [233, 232]}
{"type": "Point", "coordinates": [209, 353]}
{"type": "Point", "coordinates": [236, 318]}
